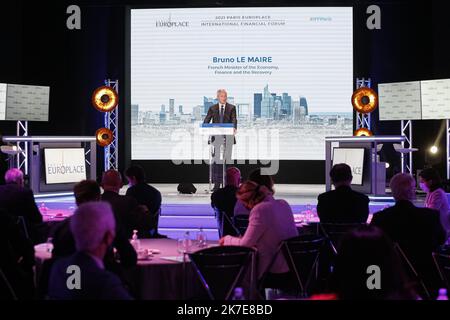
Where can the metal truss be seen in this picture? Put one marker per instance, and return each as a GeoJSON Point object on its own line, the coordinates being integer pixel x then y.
{"type": "Point", "coordinates": [22, 146]}
{"type": "Point", "coordinates": [363, 120]}
{"type": "Point", "coordinates": [448, 148]}
{"type": "Point", "coordinates": [111, 157]}
{"type": "Point", "coordinates": [406, 157]}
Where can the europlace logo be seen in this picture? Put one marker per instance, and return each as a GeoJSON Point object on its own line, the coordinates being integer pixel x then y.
{"type": "Point", "coordinates": [171, 24]}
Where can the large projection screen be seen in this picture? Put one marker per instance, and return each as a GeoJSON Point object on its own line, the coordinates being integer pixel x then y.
{"type": "Point", "coordinates": [288, 71]}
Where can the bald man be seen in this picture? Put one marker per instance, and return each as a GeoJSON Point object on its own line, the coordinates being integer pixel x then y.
{"type": "Point", "coordinates": [418, 231]}
{"type": "Point", "coordinates": [223, 200]}
{"type": "Point", "coordinates": [18, 200]}
{"type": "Point", "coordinates": [129, 215]}
{"type": "Point", "coordinates": [221, 112]}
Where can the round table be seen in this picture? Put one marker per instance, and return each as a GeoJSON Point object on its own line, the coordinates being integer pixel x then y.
{"type": "Point", "coordinates": [161, 276]}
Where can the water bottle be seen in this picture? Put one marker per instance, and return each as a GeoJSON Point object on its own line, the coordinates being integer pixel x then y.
{"type": "Point", "coordinates": [135, 242]}
{"type": "Point", "coordinates": [187, 242]}
{"type": "Point", "coordinates": [201, 238]}
{"type": "Point", "coordinates": [442, 295]}
{"type": "Point", "coordinates": [238, 294]}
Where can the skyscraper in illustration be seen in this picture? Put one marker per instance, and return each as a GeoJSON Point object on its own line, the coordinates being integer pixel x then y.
{"type": "Point", "coordinates": [304, 104]}
{"type": "Point", "coordinates": [171, 107]}
{"type": "Point", "coordinates": [257, 98]}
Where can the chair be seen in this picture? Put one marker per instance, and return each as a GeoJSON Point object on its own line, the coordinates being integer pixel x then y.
{"type": "Point", "coordinates": [411, 270]}
{"type": "Point", "coordinates": [220, 269]}
{"type": "Point", "coordinates": [6, 289]}
{"type": "Point", "coordinates": [442, 262]}
{"type": "Point", "coordinates": [302, 255]}
{"type": "Point", "coordinates": [241, 223]}
{"type": "Point", "coordinates": [225, 224]}
{"type": "Point", "coordinates": [335, 231]}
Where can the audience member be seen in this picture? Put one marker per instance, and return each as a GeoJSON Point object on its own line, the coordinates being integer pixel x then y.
{"type": "Point", "coordinates": [146, 195]}
{"type": "Point", "coordinates": [223, 200]}
{"type": "Point", "coordinates": [342, 205]}
{"type": "Point", "coordinates": [17, 260]}
{"type": "Point", "coordinates": [417, 231]}
{"type": "Point", "coordinates": [18, 200]}
{"type": "Point", "coordinates": [93, 228]}
{"type": "Point", "coordinates": [360, 249]}
{"type": "Point", "coordinates": [431, 183]}
{"type": "Point", "coordinates": [271, 221]}
{"type": "Point", "coordinates": [128, 213]}
{"type": "Point", "coordinates": [64, 242]}
{"type": "Point", "coordinates": [260, 179]}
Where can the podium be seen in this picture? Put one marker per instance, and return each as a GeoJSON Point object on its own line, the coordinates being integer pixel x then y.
{"type": "Point", "coordinates": [220, 135]}
{"type": "Point", "coordinates": [374, 172]}
{"type": "Point", "coordinates": [34, 159]}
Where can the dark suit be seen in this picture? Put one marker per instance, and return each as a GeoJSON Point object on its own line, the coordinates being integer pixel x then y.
{"type": "Point", "coordinates": [224, 200]}
{"type": "Point", "coordinates": [64, 245]}
{"type": "Point", "coordinates": [343, 205]}
{"type": "Point", "coordinates": [229, 116]}
{"type": "Point", "coordinates": [128, 213]}
{"type": "Point", "coordinates": [19, 201]}
{"type": "Point", "coordinates": [96, 283]}
{"type": "Point", "coordinates": [150, 197]}
{"type": "Point", "coordinates": [418, 231]}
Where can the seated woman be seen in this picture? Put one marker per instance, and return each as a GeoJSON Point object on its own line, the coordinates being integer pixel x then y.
{"type": "Point", "coordinates": [270, 222]}
{"type": "Point", "coordinates": [261, 179]}
{"type": "Point", "coordinates": [431, 183]}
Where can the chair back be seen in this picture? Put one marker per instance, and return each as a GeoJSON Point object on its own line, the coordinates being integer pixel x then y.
{"type": "Point", "coordinates": [240, 222]}
{"type": "Point", "coordinates": [225, 224]}
{"type": "Point", "coordinates": [334, 232]}
{"type": "Point", "coordinates": [302, 255]}
{"type": "Point", "coordinates": [411, 271]}
{"type": "Point", "coordinates": [6, 290]}
{"type": "Point", "coordinates": [220, 269]}
{"type": "Point", "coordinates": [442, 261]}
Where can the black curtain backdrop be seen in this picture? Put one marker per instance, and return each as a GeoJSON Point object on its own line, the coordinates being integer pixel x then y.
{"type": "Point", "coordinates": [37, 48]}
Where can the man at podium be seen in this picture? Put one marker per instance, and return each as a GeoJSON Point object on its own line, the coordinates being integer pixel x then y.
{"type": "Point", "coordinates": [221, 112]}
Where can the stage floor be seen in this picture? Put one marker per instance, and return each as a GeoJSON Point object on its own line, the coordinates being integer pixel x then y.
{"type": "Point", "coordinates": [181, 213]}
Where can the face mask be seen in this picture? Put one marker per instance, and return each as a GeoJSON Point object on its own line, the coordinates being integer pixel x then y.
{"type": "Point", "coordinates": [424, 187]}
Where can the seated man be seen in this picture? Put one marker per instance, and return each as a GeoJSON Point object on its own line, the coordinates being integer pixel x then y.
{"type": "Point", "coordinates": [342, 205]}
{"type": "Point", "coordinates": [223, 200]}
{"type": "Point", "coordinates": [417, 231]}
{"type": "Point", "coordinates": [93, 228]}
{"type": "Point", "coordinates": [64, 242]}
{"type": "Point", "coordinates": [145, 195]}
{"type": "Point", "coordinates": [128, 213]}
{"type": "Point", "coordinates": [18, 200]}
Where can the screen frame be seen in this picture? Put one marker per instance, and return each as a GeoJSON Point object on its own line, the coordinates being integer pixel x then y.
{"type": "Point", "coordinates": [306, 171]}
{"type": "Point", "coordinates": [45, 166]}
{"type": "Point", "coordinates": [362, 166]}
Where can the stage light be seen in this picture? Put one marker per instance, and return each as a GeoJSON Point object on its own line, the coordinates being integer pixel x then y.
{"type": "Point", "coordinates": [363, 132]}
{"type": "Point", "coordinates": [105, 99]}
{"type": "Point", "coordinates": [364, 100]}
{"type": "Point", "coordinates": [387, 165]}
{"type": "Point", "coordinates": [434, 150]}
{"type": "Point", "coordinates": [104, 137]}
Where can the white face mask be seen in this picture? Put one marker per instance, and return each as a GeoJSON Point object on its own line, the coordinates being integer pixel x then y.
{"type": "Point", "coordinates": [424, 187]}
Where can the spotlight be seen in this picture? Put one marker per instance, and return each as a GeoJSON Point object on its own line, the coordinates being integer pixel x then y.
{"type": "Point", "coordinates": [434, 150]}
{"type": "Point", "coordinates": [364, 100]}
{"type": "Point", "coordinates": [105, 99]}
{"type": "Point", "coordinates": [363, 132]}
{"type": "Point", "coordinates": [387, 165]}
{"type": "Point", "coordinates": [104, 137]}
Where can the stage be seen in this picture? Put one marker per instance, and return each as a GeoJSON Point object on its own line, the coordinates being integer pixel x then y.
{"type": "Point", "coordinates": [181, 213]}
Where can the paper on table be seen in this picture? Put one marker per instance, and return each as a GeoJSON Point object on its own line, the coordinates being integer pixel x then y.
{"type": "Point", "coordinates": [174, 258]}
